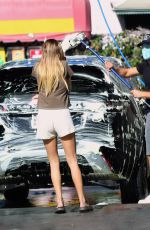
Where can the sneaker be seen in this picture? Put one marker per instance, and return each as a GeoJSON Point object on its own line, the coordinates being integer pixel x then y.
{"type": "Point", "coordinates": [145, 201]}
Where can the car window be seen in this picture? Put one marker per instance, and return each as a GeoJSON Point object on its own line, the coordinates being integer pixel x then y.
{"type": "Point", "coordinates": [89, 80]}
{"type": "Point", "coordinates": [120, 85]}
{"type": "Point", "coordinates": [17, 80]}
{"type": "Point", "coordinates": [86, 79]}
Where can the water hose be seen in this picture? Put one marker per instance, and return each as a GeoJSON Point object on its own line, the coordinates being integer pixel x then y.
{"type": "Point", "coordinates": [101, 59]}
{"type": "Point", "coordinates": [115, 42]}
{"type": "Point", "coordinates": [81, 39]}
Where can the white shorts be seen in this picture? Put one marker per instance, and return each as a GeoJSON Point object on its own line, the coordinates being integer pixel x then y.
{"type": "Point", "coordinates": [52, 123]}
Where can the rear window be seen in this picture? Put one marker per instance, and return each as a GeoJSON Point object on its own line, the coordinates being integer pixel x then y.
{"type": "Point", "coordinates": [17, 80]}
{"type": "Point", "coordinates": [89, 79]}
{"type": "Point", "coordinates": [86, 80]}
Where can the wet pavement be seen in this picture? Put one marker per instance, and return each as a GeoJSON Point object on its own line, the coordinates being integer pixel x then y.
{"type": "Point", "coordinates": [111, 217]}
{"type": "Point", "coordinates": [108, 214]}
{"type": "Point", "coordinates": [96, 195]}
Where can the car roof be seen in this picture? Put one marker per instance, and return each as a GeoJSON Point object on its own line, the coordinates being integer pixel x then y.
{"type": "Point", "coordinates": [82, 60]}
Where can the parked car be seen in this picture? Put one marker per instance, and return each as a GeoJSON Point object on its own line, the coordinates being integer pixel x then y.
{"type": "Point", "coordinates": [109, 132]}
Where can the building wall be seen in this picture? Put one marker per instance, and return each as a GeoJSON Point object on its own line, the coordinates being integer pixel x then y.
{"type": "Point", "coordinates": [98, 23]}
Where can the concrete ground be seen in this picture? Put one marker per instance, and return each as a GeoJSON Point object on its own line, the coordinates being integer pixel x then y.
{"type": "Point", "coordinates": [110, 217]}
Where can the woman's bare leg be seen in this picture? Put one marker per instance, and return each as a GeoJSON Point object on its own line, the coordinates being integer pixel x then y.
{"type": "Point", "coordinates": [69, 146]}
{"type": "Point", "coordinates": [51, 148]}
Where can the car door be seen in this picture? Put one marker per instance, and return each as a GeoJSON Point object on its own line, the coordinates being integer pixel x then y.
{"type": "Point", "coordinates": [109, 116]}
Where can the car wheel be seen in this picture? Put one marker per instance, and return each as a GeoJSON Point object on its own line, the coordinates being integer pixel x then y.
{"type": "Point", "coordinates": [136, 188]}
{"type": "Point", "coordinates": [18, 194]}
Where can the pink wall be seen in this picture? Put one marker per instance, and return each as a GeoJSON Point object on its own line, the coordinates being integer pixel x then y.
{"type": "Point", "coordinates": [25, 11]}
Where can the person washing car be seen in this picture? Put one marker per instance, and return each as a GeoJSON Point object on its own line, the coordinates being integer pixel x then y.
{"type": "Point", "coordinates": [54, 120]}
{"type": "Point", "coordinates": [143, 69]}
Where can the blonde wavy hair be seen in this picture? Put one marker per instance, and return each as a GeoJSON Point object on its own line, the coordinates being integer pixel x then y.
{"type": "Point", "coordinates": [50, 69]}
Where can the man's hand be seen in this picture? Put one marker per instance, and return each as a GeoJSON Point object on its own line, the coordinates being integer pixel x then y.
{"type": "Point", "coordinates": [137, 93]}
{"type": "Point", "coordinates": [72, 40]}
{"type": "Point", "coordinates": [109, 65]}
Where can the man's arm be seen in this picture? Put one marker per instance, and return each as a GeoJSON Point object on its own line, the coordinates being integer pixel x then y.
{"type": "Point", "coordinates": [140, 94]}
{"type": "Point", "coordinates": [125, 72]}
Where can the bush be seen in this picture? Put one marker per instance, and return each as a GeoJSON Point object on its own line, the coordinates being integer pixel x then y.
{"type": "Point", "coordinates": [127, 41]}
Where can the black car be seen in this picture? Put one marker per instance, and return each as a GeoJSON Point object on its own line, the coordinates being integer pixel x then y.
{"type": "Point", "coordinates": [109, 131]}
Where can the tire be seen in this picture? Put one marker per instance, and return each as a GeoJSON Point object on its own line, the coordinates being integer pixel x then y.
{"type": "Point", "coordinates": [137, 187]}
{"type": "Point", "coordinates": [18, 194]}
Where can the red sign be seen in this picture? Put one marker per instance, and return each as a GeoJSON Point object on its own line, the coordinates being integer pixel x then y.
{"type": "Point", "coordinates": [35, 53]}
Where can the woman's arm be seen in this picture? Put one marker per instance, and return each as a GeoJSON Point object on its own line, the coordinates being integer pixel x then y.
{"type": "Point", "coordinates": [68, 81]}
{"type": "Point", "coordinates": [68, 76]}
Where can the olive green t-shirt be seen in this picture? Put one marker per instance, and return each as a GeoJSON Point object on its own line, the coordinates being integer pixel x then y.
{"type": "Point", "coordinates": [58, 99]}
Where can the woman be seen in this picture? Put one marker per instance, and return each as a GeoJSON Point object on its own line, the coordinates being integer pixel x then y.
{"type": "Point", "coordinates": [54, 119]}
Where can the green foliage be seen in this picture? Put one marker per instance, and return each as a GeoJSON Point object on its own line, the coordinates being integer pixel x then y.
{"type": "Point", "coordinates": [127, 41]}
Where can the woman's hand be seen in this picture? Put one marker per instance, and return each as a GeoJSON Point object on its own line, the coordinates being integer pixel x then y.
{"type": "Point", "coordinates": [35, 97]}
{"type": "Point", "coordinates": [109, 65]}
{"type": "Point", "coordinates": [34, 100]}
{"type": "Point", "coordinates": [137, 93]}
